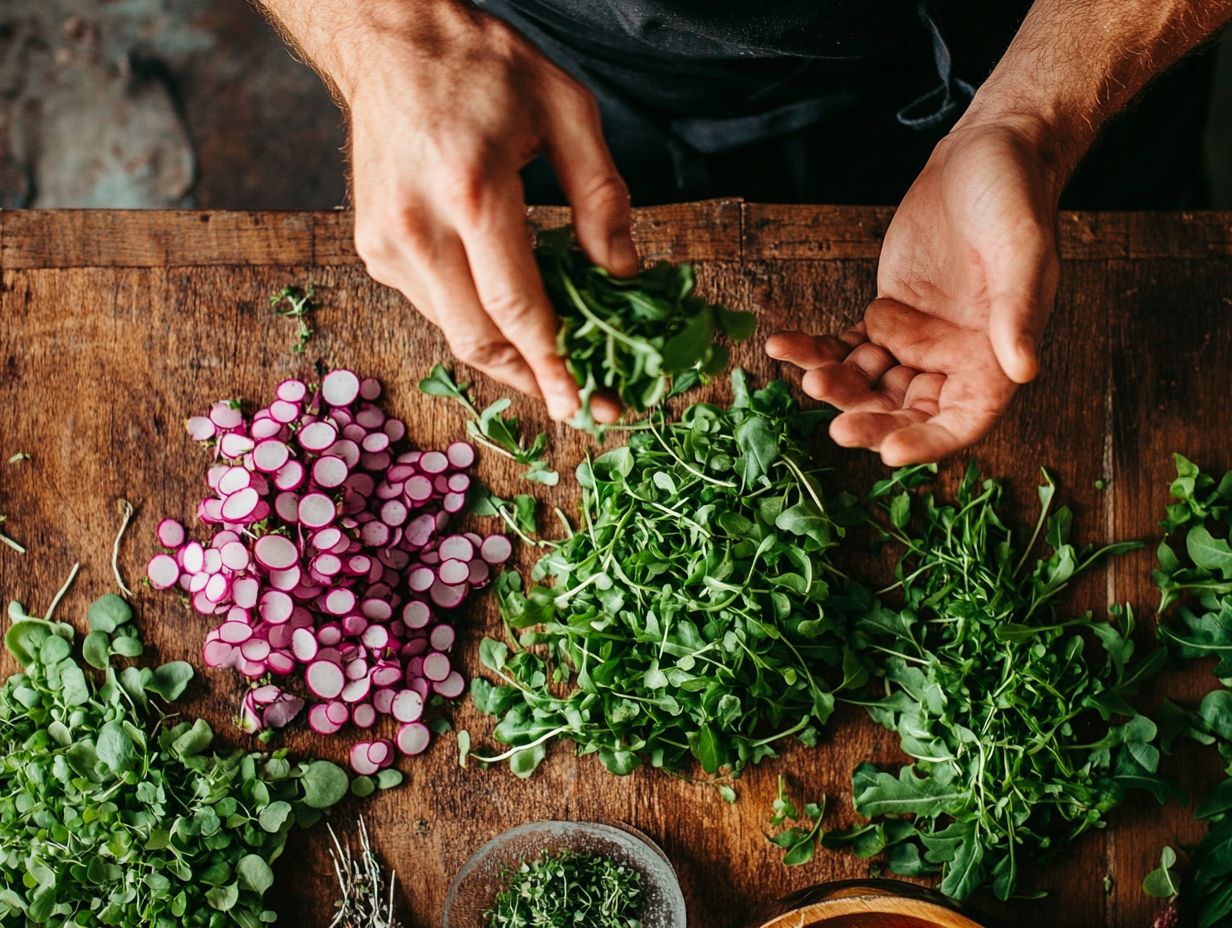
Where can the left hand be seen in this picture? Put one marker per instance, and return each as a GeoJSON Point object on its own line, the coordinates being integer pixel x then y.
{"type": "Point", "coordinates": [965, 285]}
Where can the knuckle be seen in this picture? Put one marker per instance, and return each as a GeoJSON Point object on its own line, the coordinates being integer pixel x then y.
{"type": "Point", "coordinates": [513, 310]}
{"type": "Point", "coordinates": [485, 354]}
{"type": "Point", "coordinates": [606, 191]}
{"type": "Point", "coordinates": [462, 188]}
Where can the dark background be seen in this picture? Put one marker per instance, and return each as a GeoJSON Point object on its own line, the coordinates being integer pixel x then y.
{"type": "Point", "coordinates": [196, 103]}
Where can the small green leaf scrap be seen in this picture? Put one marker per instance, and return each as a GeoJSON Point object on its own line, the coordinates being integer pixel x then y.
{"type": "Point", "coordinates": [298, 303]}
{"type": "Point", "coordinates": [799, 841]}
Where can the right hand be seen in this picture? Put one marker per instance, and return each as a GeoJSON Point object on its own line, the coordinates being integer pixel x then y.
{"type": "Point", "coordinates": [447, 104]}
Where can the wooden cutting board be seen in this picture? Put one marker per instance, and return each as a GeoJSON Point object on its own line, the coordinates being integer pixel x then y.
{"type": "Point", "coordinates": [114, 326]}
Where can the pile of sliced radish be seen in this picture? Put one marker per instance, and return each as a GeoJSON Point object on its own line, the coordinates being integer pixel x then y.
{"type": "Point", "coordinates": [331, 560]}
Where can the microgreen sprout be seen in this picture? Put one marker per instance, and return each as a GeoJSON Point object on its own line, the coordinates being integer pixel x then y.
{"type": "Point", "coordinates": [300, 303]}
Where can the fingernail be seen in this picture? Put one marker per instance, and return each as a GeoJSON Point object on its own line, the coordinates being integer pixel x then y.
{"type": "Point", "coordinates": [621, 252]}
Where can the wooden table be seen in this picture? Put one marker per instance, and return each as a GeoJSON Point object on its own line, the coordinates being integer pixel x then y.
{"type": "Point", "coordinates": [114, 326]}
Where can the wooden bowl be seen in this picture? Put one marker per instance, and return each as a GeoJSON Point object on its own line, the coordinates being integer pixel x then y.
{"type": "Point", "coordinates": [865, 904]}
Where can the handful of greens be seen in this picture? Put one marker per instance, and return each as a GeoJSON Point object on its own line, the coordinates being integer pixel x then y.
{"type": "Point", "coordinates": [112, 812]}
{"type": "Point", "coordinates": [645, 338]}
{"type": "Point", "coordinates": [690, 617]}
{"type": "Point", "coordinates": [1015, 715]}
{"type": "Point", "coordinates": [567, 889]}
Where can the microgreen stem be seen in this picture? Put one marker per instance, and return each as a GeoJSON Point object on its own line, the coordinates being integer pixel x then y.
{"type": "Point", "coordinates": [55, 601]}
{"type": "Point", "coordinates": [126, 509]}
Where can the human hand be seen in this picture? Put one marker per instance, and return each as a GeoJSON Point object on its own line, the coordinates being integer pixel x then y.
{"type": "Point", "coordinates": [447, 104]}
{"type": "Point", "coordinates": [965, 285]}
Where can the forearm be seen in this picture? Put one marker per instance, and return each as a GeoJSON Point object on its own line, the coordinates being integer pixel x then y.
{"type": "Point", "coordinates": [1073, 65]}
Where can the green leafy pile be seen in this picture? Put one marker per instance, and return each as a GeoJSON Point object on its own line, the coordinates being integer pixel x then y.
{"type": "Point", "coordinates": [1195, 583]}
{"type": "Point", "coordinates": [690, 616]}
{"type": "Point", "coordinates": [493, 429]}
{"type": "Point", "coordinates": [567, 889]}
{"type": "Point", "coordinates": [115, 812]}
{"type": "Point", "coordinates": [1014, 714]}
{"type": "Point", "coordinates": [644, 338]}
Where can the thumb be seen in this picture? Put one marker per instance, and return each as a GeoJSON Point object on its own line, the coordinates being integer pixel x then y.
{"type": "Point", "coordinates": [1016, 324]}
{"type": "Point", "coordinates": [593, 187]}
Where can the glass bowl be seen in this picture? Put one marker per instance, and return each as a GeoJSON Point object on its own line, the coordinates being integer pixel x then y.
{"type": "Point", "coordinates": [475, 887]}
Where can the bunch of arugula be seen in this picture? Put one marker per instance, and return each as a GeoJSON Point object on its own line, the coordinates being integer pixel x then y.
{"type": "Point", "coordinates": [112, 811]}
{"type": "Point", "coordinates": [690, 617]}
{"type": "Point", "coordinates": [567, 889]}
{"type": "Point", "coordinates": [1015, 716]}
{"type": "Point", "coordinates": [1195, 583]}
{"type": "Point", "coordinates": [644, 338]}
{"type": "Point", "coordinates": [493, 429]}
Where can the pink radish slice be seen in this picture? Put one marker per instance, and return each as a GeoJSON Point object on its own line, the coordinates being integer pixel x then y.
{"type": "Point", "coordinates": [360, 762]}
{"type": "Point", "coordinates": [442, 637]}
{"type": "Point", "coordinates": [290, 476]}
{"type": "Point", "coordinates": [320, 722]}
{"type": "Point", "coordinates": [329, 471]}
{"type": "Point", "coordinates": [293, 391]}
{"type": "Point", "coordinates": [414, 647]}
{"type": "Point", "coordinates": [433, 463]}
{"type": "Point", "coordinates": [374, 442]}
{"type": "Point", "coordinates": [459, 483]}
{"type": "Point", "coordinates": [356, 690]}
{"type": "Point", "coordinates": [395, 429]}
{"type": "Point", "coordinates": [416, 614]}
{"type": "Point", "coordinates": [340, 387]}
{"type": "Point", "coordinates": [446, 595]}
{"type": "Point", "coordinates": [370, 417]}
{"type": "Point", "coordinates": [192, 557]}
{"type": "Point", "coordinates": [284, 411]}
{"type": "Point", "coordinates": [363, 715]}
{"type": "Point", "coordinates": [218, 653]}
{"type": "Point", "coordinates": [400, 473]}
{"type": "Point", "coordinates": [478, 572]}
{"type": "Point", "coordinates": [234, 556]}
{"type": "Point", "coordinates": [454, 502]}
{"type": "Point", "coordinates": [234, 445]}
{"type": "Point", "coordinates": [420, 579]}
{"type": "Point", "coordinates": [163, 571]}
{"type": "Point", "coordinates": [316, 510]}
{"type": "Point", "coordinates": [407, 706]}
{"type": "Point", "coordinates": [197, 582]}
{"type": "Point", "coordinates": [317, 436]}
{"type": "Point", "coordinates": [348, 451]}
{"type": "Point", "coordinates": [170, 533]}
{"type": "Point", "coordinates": [386, 674]}
{"type": "Point", "coordinates": [413, 738]}
{"type": "Point", "coordinates": [325, 679]}
{"type": "Point", "coordinates": [359, 565]}
{"type": "Point", "coordinates": [244, 592]}
{"type": "Point", "coordinates": [381, 752]}
{"type": "Point", "coordinates": [266, 428]}
{"type": "Point", "coordinates": [279, 636]}
{"type": "Point", "coordinates": [210, 510]}
{"type": "Point", "coordinates": [326, 538]}
{"type": "Point", "coordinates": [453, 572]}
{"type": "Point", "coordinates": [377, 462]}
{"type": "Point", "coordinates": [393, 513]}
{"type": "Point", "coordinates": [375, 637]}
{"type": "Point", "coordinates": [275, 552]}
{"type": "Point", "coordinates": [420, 530]}
{"type": "Point", "coordinates": [339, 602]}
{"type": "Point", "coordinates": [264, 695]}
{"type": "Point", "coordinates": [354, 625]}
{"type": "Point", "coordinates": [201, 428]}
{"type": "Point", "coordinates": [304, 645]}
{"type": "Point", "coordinates": [356, 668]}
{"type": "Point", "coordinates": [256, 650]}
{"type": "Point", "coordinates": [216, 588]}
{"type": "Point", "coordinates": [280, 713]}
{"type": "Point", "coordinates": [286, 505]}
{"type": "Point", "coordinates": [375, 534]}
{"type": "Point", "coordinates": [460, 455]}
{"type": "Point", "coordinates": [440, 484]}
{"type": "Point", "coordinates": [370, 388]}
{"type": "Point", "coordinates": [234, 632]}
{"type": "Point", "coordinates": [329, 635]}
{"type": "Point", "coordinates": [496, 549]}
{"type": "Point", "coordinates": [223, 537]}
{"type": "Point", "coordinates": [386, 490]}
{"type": "Point", "coordinates": [276, 607]}
{"type": "Point", "coordinates": [326, 564]}
{"type": "Point", "coordinates": [338, 712]}
{"type": "Point", "coordinates": [451, 687]}
{"type": "Point", "coordinates": [270, 455]}
{"type": "Point", "coordinates": [436, 666]}
{"type": "Point", "coordinates": [383, 700]}
{"type": "Point", "coordinates": [418, 489]}
{"type": "Point", "coordinates": [420, 686]}
{"type": "Point", "coordinates": [376, 609]}
{"type": "Point", "coordinates": [280, 663]}
{"type": "Point", "coordinates": [226, 416]}
{"type": "Point", "coordinates": [285, 580]}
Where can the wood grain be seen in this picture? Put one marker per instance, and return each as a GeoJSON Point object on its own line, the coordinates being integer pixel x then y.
{"type": "Point", "coordinates": [115, 326]}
